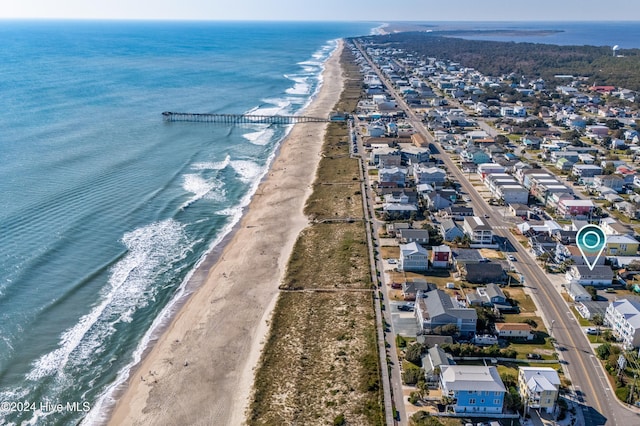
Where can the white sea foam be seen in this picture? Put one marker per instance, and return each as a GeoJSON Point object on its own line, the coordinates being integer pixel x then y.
{"type": "Point", "coordinates": [247, 170]}
{"type": "Point", "coordinates": [211, 189]}
{"type": "Point", "coordinates": [261, 137]}
{"type": "Point", "coordinates": [151, 251]}
{"type": "Point", "coordinates": [212, 165]}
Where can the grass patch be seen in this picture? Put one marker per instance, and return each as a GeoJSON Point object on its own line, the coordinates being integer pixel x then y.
{"type": "Point", "coordinates": [390, 252]}
{"type": "Point", "coordinates": [317, 368]}
{"type": "Point", "coordinates": [321, 361]}
{"type": "Point", "coordinates": [329, 255]}
{"type": "Point", "coordinates": [582, 321]}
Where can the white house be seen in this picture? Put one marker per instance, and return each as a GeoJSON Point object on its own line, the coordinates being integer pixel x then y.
{"type": "Point", "coordinates": [623, 316]}
{"type": "Point", "coordinates": [413, 257]}
{"type": "Point", "coordinates": [478, 230]}
{"type": "Point", "coordinates": [539, 387]}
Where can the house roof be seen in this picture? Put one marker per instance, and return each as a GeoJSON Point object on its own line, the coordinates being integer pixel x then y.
{"type": "Point", "coordinates": [494, 291]}
{"type": "Point", "coordinates": [437, 302]}
{"type": "Point", "coordinates": [414, 233]}
{"type": "Point", "coordinates": [484, 272]}
{"type": "Point", "coordinates": [435, 357]}
{"type": "Point", "coordinates": [603, 272]}
{"type": "Point", "coordinates": [443, 248]}
{"type": "Point", "coordinates": [512, 326]}
{"type": "Point", "coordinates": [448, 224]}
{"type": "Point", "coordinates": [471, 377]}
{"type": "Point", "coordinates": [477, 224]}
{"type": "Point", "coordinates": [621, 239]}
{"type": "Point", "coordinates": [412, 248]}
{"type": "Point", "coordinates": [540, 379]}
{"type": "Point", "coordinates": [630, 309]}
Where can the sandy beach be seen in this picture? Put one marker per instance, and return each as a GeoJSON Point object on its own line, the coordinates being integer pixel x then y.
{"type": "Point", "coordinates": [201, 370]}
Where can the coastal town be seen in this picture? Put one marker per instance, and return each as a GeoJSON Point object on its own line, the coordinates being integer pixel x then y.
{"type": "Point", "coordinates": [477, 187]}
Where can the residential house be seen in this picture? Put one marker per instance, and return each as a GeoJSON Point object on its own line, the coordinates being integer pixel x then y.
{"type": "Point", "coordinates": [610, 226]}
{"type": "Point", "coordinates": [456, 212]}
{"type": "Point", "coordinates": [435, 201]}
{"type": "Point", "coordinates": [531, 142]}
{"type": "Point", "coordinates": [449, 230]}
{"type": "Point", "coordinates": [575, 208]}
{"type": "Point", "coordinates": [399, 210]}
{"type": "Point", "coordinates": [571, 254]}
{"type": "Point", "coordinates": [475, 155]}
{"type": "Point", "coordinates": [621, 245]}
{"type": "Point", "coordinates": [600, 275]}
{"type": "Point", "coordinates": [623, 316]}
{"type": "Point", "coordinates": [433, 176]}
{"type": "Point", "coordinates": [433, 361]}
{"type": "Point", "coordinates": [441, 256]}
{"type": "Point", "coordinates": [413, 154]}
{"type": "Point", "coordinates": [480, 273]}
{"type": "Point", "coordinates": [438, 310]}
{"type": "Point", "coordinates": [517, 209]}
{"type": "Point", "coordinates": [586, 170]}
{"type": "Point", "coordinates": [410, 289]}
{"type": "Point", "coordinates": [539, 387]}
{"type": "Point", "coordinates": [615, 182]}
{"type": "Point", "coordinates": [395, 175]}
{"type": "Point", "coordinates": [577, 293]}
{"type": "Point", "coordinates": [514, 330]}
{"type": "Point", "coordinates": [413, 257]}
{"type": "Point", "coordinates": [478, 230]}
{"type": "Point", "coordinates": [420, 236]}
{"type": "Point", "coordinates": [475, 389]}
{"type": "Point", "coordinates": [394, 228]}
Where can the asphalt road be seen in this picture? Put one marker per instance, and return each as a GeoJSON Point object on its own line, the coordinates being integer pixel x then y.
{"type": "Point", "coordinates": [595, 396]}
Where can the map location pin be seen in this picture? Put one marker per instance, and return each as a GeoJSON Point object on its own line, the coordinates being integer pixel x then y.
{"type": "Point", "coordinates": [591, 241]}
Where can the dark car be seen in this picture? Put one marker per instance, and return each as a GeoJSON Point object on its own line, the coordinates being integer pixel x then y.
{"type": "Point", "coordinates": [534, 356]}
{"type": "Point", "coordinates": [407, 308]}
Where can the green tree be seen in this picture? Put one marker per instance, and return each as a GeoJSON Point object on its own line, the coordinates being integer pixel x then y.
{"type": "Point", "coordinates": [603, 351]}
{"type": "Point", "coordinates": [414, 354]}
{"type": "Point", "coordinates": [422, 418]}
{"type": "Point", "coordinates": [597, 319]}
{"type": "Point", "coordinates": [592, 291]}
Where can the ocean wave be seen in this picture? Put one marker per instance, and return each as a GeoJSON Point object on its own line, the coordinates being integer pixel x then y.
{"type": "Point", "coordinates": [210, 189]}
{"type": "Point", "coordinates": [262, 137]}
{"type": "Point", "coordinates": [248, 171]}
{"type": "Point", "coordinates": [151, 251]}
{"type": "Point", "coordinates": [212, 165]}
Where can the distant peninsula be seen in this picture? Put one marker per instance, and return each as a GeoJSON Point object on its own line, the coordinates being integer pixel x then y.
{"type": "Point", "coordinates": [596, 64]}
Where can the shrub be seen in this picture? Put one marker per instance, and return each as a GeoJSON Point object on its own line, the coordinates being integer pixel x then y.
{"type": "Point", "coordinates": [339, 420]}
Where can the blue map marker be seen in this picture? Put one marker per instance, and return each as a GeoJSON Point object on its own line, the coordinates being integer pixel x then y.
{"type": "Point", "coordinates": [591, 240]}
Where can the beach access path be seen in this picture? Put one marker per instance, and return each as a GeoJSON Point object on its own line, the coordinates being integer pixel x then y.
{"type": "Point", "coordinates": [201, 369]}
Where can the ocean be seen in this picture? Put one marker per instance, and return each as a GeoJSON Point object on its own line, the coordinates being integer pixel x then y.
{"type": "Point", "coordinates": [106, 210]}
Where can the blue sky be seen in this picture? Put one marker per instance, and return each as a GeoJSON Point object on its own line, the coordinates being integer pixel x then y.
{"type": "Point", "coordinates": [328, 10]}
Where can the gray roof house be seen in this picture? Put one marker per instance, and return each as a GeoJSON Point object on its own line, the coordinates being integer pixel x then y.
{"type": "Point", "coordinates": [479, 273]}
{"type": "Point", "coordinates": [413, 257]}
{"type": "Point", "coordinates": [435, 202]}
{"type": "Point", "coordinates": [474, 388]}
{"type": "Point", "coordinates": [420, 236]}
{"type": "Point", "coordinates": [623, 316]}
{"type": "Point", "coordinates": [437, 310]}
{"type": "Point", "coordinates": [435, 358]}
{"type": "Point", "coordinates": [450, 230]}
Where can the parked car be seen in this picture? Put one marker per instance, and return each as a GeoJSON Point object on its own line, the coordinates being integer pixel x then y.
{"type": "Point", "coordinates": [396, 286]}
{"type": "Point", "coordinates": [592, 330]}
{"type": "Point", "coordinates": [534, 356]}
{"type": "Point", "coordinates": [392, 261]}
{"type": "Point", "coordinates": [512, 258]}
{"type": "Point", "coordinates": [406, 308]}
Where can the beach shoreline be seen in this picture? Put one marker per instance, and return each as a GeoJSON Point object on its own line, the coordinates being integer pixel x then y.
{"type": "Point", "coordinates": [201, 368]}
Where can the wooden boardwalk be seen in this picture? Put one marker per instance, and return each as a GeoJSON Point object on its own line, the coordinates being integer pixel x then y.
{"type": "Point", "coordinates": [240, 118]}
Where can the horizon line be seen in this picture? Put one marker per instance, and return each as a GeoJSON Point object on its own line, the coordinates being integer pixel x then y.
{"type": "Point", "coordinates": [397, 21]}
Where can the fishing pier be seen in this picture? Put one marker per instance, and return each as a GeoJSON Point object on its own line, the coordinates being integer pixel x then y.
{"type": "Point", "coordinates": [240, 118]}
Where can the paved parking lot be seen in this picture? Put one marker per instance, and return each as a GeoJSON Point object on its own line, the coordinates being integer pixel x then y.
{"type": "Point", "coordinates": [404, 322]}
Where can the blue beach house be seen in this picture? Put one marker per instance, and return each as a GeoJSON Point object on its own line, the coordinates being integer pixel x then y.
{"type": "Point", "coordinates": [475, 389]}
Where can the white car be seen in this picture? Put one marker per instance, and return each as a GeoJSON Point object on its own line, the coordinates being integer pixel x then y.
{"type": "Point", "coordinates": [392, 261]}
